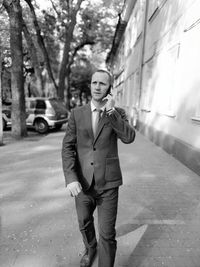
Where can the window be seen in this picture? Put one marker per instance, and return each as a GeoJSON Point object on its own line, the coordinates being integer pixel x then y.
{"type": "Point", "coordinates": [192, 17]}
{"type": "Point", "coordinates": [40, 104]}
{"type": "Point", "coordinates": [134, 27]}
{"type": "Point", "coordinates": [31, 104]}
{"type": "Point", "coordinates": [148, 85]}
{"type": "Point", "coordinates": [196, 118]}
{"type": "Point", "coordinates": [164, 80]}
{"type": "Point", "coordinates": [154, 7]}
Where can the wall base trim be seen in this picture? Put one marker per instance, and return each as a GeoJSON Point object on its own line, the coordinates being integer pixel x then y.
{"type": "Point", "coordinates": [185, 153]}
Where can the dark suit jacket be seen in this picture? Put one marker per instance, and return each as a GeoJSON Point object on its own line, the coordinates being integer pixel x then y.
{"type": "Point", "coordinates": [85, 157]}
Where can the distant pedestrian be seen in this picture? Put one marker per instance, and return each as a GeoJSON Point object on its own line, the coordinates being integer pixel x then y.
{"type": "Point", "coordinates": [91, 167]}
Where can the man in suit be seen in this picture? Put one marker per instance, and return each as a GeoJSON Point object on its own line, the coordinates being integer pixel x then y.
{"type": "Point", "coordinates": [91, 167]}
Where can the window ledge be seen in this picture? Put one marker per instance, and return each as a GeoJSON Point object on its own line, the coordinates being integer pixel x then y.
{"type": "Point", "coordinates": [145, 110]}
{"type": "Point", "coordinates": [167, 114]}
{"type": "Point", "coordinates": [197, 119]}
{"type": "Point", "coordinates": [157, 10]}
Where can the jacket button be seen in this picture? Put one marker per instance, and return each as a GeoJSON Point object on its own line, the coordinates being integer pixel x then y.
{"type": "Point", "coordinates": [91, 163]}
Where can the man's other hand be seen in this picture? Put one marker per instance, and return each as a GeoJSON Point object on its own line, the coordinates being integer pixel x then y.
{"type": "Point", "coordinates": [74, 188]}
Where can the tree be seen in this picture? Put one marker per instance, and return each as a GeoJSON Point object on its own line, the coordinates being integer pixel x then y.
{"type": "Point", "coordinates": [41, 42]}
{"type": "Point", "coordinates": [5, 53]}
{"type": "Point", "coordinates": [32, 55]}
{"type": "Point", "coordinates": [76, 24]}
{"type": "Point", "coordinates": [57, 41]}
{"type": "Point", "coordinates": [14, 11]}
{"type": "Point", "coordinates": [80, 26]}
{"type": "Point", "coordinates": [1, 125]}
{"type": "Point", "coordinates": [59, 33]}
{"type": "Point", "coordinates": [80, 77]}
{"type": "Point", "coordinates": [69, 27]}
{"type": "Point", "coordinates": [2, 28]}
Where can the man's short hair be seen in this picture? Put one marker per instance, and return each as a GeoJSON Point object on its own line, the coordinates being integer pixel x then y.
{"type": "Point", "coordinates": [106, 71]}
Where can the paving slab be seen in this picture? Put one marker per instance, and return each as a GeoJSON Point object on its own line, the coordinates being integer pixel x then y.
{"type": "Point", "coordinates": [158, 217]}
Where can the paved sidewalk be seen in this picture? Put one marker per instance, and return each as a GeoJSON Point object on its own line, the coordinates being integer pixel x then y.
{"type": "Point", "coordinates": [159, 214]}
{"type": "Point", "coordinates": [159, 208]}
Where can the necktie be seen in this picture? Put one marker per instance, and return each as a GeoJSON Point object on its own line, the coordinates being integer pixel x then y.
{"type": "Point", "coordinates": [97, 119]}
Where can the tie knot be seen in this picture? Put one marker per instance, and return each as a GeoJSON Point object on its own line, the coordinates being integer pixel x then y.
{"type": "Point", "coordinates": [99, 112]}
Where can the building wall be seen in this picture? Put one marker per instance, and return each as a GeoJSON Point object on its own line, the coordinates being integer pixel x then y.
{"type": "Point", "coordinates": [160, 88]}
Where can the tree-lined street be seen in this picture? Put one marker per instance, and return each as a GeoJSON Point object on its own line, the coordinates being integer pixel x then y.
{"type": "Point", "coordinates": [51, 49]}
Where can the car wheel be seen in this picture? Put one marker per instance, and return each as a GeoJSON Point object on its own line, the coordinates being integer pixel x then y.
{"type": "Point", "coordinates": [41, 126]}
{"type": "Point", "coordinates": [58, 126]}
{"type": "Point", "coordinates": [4, 125]}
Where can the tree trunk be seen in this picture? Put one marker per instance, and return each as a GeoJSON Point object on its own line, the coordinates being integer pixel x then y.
{"type": "Point", "coordinates": [41, 43]}
{"type": "Point", "coordinates": [67, 91]}
{"type": "Point", "coordinates": [1, 119]}
{"type": "Point", "coordinates": [64, 69]}
{"type": "Point", "coordinates": [17, 81]}
{"type": "Point", "coordinates": [34, 59]}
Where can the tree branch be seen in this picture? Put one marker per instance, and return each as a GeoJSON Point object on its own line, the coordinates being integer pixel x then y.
{"type": "Point", "coordinates": [7, 4]}
{"type": "Point", "coordinates": [74, 13]}
{"type": "Point", "coordinates": [77, 48]}
{"type": "Point", "coordinates": [41, 42]}
{"type": "Point", "coordinates": [55, 9]}
{"type": "Point", "coordinates": [30, 43]}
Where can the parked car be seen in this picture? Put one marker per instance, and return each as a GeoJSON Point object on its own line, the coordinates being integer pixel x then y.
{"type": "Point", "coordinates": [42, 114]}
{"type": "Point", "coordinates": [6, 115]}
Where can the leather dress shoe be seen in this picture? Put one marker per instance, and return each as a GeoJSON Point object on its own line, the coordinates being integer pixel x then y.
{"type": "Point", "coordinates": [88, 257]}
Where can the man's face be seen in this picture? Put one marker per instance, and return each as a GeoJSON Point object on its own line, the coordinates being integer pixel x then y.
{"type": "Point", "coordinates": [99, 85]}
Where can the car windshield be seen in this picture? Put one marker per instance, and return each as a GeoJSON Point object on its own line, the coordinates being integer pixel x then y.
{"type": "Point", "coordinates": [58, 105]}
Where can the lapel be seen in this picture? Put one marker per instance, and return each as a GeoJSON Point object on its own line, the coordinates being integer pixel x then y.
{"type": "Point", "coordinates": [102, 122]}
{"type": "Point", "coordinates": [88, 120]}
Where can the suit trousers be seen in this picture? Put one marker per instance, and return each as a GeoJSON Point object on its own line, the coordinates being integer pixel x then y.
{"type": "Point", "coordinates": [106, 202]}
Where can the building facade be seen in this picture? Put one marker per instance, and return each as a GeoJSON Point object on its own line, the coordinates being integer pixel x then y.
{"type": "Point", "coordinates": [155, 59]}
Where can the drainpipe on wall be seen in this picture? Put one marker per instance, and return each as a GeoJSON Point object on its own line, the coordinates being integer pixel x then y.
{"type": "Point", "coordinates": [145, 21]}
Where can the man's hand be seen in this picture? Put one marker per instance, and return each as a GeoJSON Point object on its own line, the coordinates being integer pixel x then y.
{"type": "Point", "coordinates": [74, 188]}
{"type": "Point", "coordinates": [109, 102]}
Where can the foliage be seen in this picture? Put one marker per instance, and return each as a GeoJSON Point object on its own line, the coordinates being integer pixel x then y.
{"type": "Point", "coordinates": [92, 26]}
{"type": "Point", "coordinates": [48, 27]}
{"type": "Point", "coordinates": [81, 75]}
{"type": "Point", "coordinates": [61, 46]}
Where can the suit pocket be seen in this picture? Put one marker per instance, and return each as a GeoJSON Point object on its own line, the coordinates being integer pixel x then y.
{"type": "Point", "coordinates": [113, 171]}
